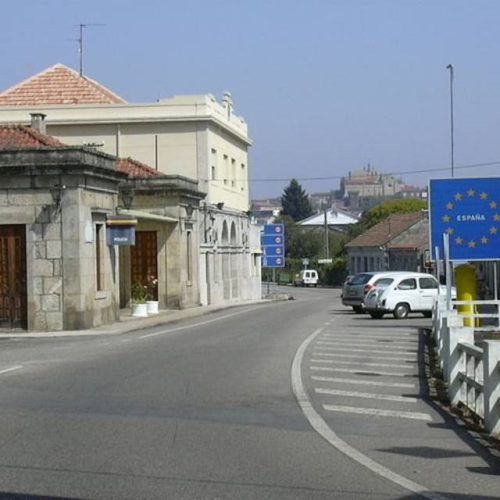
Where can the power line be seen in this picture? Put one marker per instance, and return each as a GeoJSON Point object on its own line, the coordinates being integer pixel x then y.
{"type": "Point", "coordinates": [338, 177]}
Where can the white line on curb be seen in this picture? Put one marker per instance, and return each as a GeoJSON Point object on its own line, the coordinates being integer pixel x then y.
{"type": "Point", "coordinates": [321, 427]}
{"type": "Point", "coordinates": [6, 370]}
{"type": "Point", "coordinates": [379, 413]}
{"type": "Point", "coordinates": [185, 327]}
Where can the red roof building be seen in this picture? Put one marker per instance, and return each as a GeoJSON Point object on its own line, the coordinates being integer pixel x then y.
{"type": "Point", "coordinates": [58, 85]}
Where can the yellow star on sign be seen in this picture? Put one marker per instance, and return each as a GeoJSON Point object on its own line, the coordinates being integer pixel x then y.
{"type": "Point", "coordinates": [471, 193]}
{"type": "Point", "coordinates": [449, 206]}
{"type": "Point", "coordinates": [493, 204]}
{"type": "Point", "coordinates": [446, 218]}
{"type": "Point", "coordinates": [493, 230]}
{"type": "Point", "coordinates": [459, 240]}
{"type": "Point", "coordinates": [483, 195]}
{"type": "Point", "coordinates": [484, 240]}
{"type": "Point", "coordinates": [450, 230]}
{"type": "Point", "coordinates": [459, 196]}
{"type": "Point", "coordinates": [496, 217]}
{"type": "Point", "coordinates": [472, 244]}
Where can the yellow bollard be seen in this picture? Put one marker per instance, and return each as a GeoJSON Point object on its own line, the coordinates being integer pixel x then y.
{"type": "Point", "coordinates": [467, 289]}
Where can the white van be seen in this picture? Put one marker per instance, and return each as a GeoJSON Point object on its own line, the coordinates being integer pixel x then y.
{"type": "Point", "coordinates": [306, 277]}
{"type": "Point", "coordinates": [403, 293]}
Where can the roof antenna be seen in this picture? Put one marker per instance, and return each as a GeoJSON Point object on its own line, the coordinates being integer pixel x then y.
{"type": "Point", "coordinates": [80, 42]}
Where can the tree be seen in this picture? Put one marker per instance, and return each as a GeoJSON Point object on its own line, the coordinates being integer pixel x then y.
{"type": "Point", "coordinates": [295, 202]}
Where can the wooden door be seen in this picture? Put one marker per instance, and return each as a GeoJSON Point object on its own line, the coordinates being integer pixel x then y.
{"type": "Point", "coordinates": [13, 303]}
{"type": "Point", "coordinates": [144, 261]}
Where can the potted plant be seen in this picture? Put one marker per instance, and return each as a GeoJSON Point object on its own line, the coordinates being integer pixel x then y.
{"type": "Point", "coordinates": [152, 299]}
{"type": "Point", "coordinates": [139, 296]}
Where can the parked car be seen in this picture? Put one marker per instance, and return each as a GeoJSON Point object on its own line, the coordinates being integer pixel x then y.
{"type": "Point", "coordinates": [404, 293]}
{"type": "Point", "coordinates": [355, 289]}
{"type": "Point", "coordinates": [306, 277]}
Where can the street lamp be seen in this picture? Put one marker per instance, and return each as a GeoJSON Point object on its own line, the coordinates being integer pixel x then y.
{"type": "Point", "coordinates": [450, 67]}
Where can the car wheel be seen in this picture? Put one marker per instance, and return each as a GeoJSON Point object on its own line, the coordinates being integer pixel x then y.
{"type": "Point", "coordinates": [427, 314]}
{"type": "Point", "coordinates": [357, 309]}
{"type": "Point", "coordinates": [401, 310]}
{"type": "Point", "coordinates": [377, 314]}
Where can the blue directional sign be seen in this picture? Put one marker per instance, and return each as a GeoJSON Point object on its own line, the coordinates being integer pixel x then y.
{"type": "Point", "coordinates": [468, 210]}
{"type": "Point", "coordinates": [273, 245]}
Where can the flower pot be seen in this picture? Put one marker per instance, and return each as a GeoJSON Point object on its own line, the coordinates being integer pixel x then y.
{"type": "Point", "coordinates": [152, 306]}
{"type": "Point", "coordinates": [139, 310]}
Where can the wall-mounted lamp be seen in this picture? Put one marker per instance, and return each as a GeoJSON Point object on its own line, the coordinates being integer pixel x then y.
{"type": "Point", "coordinates": [127, 197]}
{"type": "Point", "coordinates": [189, 211]}
{"type": "Point", "coordinates": [56, 192]}
{"type": "Point", "coordinates": [220, 205]}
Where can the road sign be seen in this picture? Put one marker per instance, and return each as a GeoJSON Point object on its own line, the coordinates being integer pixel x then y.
{"type": "Point", "coordinates": [468, 211]}
{"type": "Point", "coordinates": [273, 245]}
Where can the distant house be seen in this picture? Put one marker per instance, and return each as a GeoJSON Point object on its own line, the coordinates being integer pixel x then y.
{"type": "Point", "coordinates": [336, 220]}
{"type": "Point", "coordinates": [398, 243]}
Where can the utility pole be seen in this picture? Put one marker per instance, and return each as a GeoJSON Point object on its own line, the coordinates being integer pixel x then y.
{"type": "Point", "coordinates": [450, 67]}
{"type": "Point", "coordinates": [80, 42]}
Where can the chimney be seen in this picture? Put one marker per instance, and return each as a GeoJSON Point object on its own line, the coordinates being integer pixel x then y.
{"type": "Point", "coordinates": [38, 122]}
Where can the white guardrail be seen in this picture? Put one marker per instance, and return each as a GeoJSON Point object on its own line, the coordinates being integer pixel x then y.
{"type": "Point", "coordinates": [470, 361]}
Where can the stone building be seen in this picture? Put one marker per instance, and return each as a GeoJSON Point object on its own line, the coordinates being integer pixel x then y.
{"type": "Point", "coordinates": [195, 137]}
{"type": "Point", "coordinates": [58, 271]}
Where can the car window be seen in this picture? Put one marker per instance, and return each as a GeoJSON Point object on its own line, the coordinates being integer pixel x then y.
{"type": "Point", "coordinates": [383, 282]}
{"type": "Point", "coordinates": [427, 283]}
{"type": "Point", "coordinates": [360, 279]}
{"type": "Point", "coordinates": [408, 284]}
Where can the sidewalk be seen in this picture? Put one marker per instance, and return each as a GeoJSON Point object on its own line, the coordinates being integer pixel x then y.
{"type": "Point", "coordinates": [128, 323]}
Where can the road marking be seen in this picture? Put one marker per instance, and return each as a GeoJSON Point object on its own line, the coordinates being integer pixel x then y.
{"type": "Point", "coordinates": [361, 372]}
{"type": "Point", "coordinates": [6, 370]}
{"type": "Point", "coordinates": [379, 413]}
{"type": "Point", "coordinates": [363, 344]}
{"type": "Point", "coordinates": [368, 340]}
{"type": "Point", "coordinates": [361, 382]}
{"type": "Point", "coordinates": [371, 335]}
{"type": "Point", "coordinates": [366, 395]}
{"type": "Point", "coordinates": [185, 327]}
{"type": "Point", "coordinates": [345, 349]}
{"type": "Point", "coordinates": [357, 363]}
{"type": "Point", "coordinates": [357, 356]}
{"type": "Point", "coordinates": [321, 427]}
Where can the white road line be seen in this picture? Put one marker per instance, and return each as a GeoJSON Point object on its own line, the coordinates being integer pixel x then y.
{"type": "Point", "coordinates": [12, 368]}
{"type": "Point", "coordinates": [346, 349]}
{"type": "Point", "coordinates": [360, 372]}
{"type": "Point", "coordinates": [379, 413]}
{"type": "Point", "coordinates": [357, 363]}
{"type": "Point", "coordinates": [366, 395]}
{"type": "Point", "coordinates": [358, 356]}
{"type": "Point", "coordinates": [363, 344]}
{"type": "Point", "coordinates": [361, 382]}
{"type": "Point", "coordinates": [380, 340]}
{"type": "Point", "coordinates": [368, 340]}
{"type": "Point", "coordinates": [186, 327]}
{"type": "Point", "coordinates": [374, 335]}
{"type": "Point", "coordinates": [321, 427]}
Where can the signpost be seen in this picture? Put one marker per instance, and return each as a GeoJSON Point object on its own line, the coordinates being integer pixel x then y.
{"type": "Point", "coordinates": [273, 245]}
{"type": "Point", "coordinates": [468, 212]}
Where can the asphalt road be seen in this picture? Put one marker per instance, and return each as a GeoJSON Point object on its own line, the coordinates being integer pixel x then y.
{"type": "Point", "coordinates": [237, 404]}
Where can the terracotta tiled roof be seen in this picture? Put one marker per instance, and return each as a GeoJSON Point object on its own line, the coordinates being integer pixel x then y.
{"type": "Point", "coordinates": [384, 231]}
{"type": "Point", "coordinates": [135, 169]}
{"type": "Point", "coordinates": [58, 85]}
{"type": "Point", "coordinates": [21, 137]}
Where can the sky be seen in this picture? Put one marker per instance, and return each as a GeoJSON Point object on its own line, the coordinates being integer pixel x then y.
{"type": "Point", "coordinates": [326, 86]}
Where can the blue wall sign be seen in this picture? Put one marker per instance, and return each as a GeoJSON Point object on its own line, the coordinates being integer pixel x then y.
{"type": "Point", "coordinates": [120, 235]}
{"type": "Point", "coordinates": [468, 210]}
{"type": "Point", "coordinates": [273, 245]}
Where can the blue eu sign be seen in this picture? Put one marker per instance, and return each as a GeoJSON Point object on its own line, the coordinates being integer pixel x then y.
{"type": "Point", "coordinates": [273, 245]}
{"type": "Point", "coordinates": [468, 210]}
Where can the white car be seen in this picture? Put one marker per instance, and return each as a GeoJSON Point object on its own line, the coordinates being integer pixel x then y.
{"type": "Point", "coordinates": [306, 277]}
{"type": "Point", "coordinates": [402, 294]}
